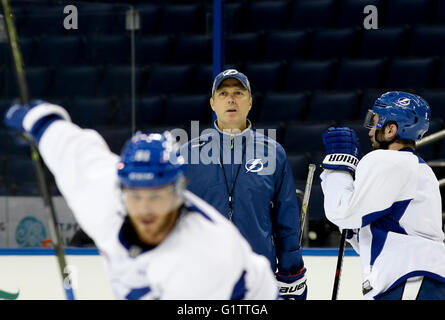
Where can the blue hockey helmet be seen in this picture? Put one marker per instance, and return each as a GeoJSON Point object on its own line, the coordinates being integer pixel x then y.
{"type": "Point", "coordinates": [150, 160]}
{"type": "Point", "coordinates": [411, 113]}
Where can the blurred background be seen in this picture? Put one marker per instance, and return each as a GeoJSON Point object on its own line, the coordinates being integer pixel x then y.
{"type": "Point", "coordinates": [133, 65]}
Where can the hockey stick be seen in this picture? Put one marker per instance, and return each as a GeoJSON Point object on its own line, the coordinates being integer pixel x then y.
{"type": "Point", "coordinates": [306, 196]}
{"type": "Point", "coordinates": [341, 252]}
{"type": "Point", "coordinates": [36, 159]}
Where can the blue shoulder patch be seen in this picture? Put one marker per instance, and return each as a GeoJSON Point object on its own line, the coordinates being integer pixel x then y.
{"type": "Point", "coordinates": [239, 290]}
{"type": "Point", "coordinates": [198, 210]}
{"type": "Point", "coordinates": [136, 294]}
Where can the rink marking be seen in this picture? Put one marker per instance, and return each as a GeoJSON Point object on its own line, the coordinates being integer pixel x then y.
{"type": "Point", "coordinates": [325, 252]}
{"type": "Point", "coordinates": [47, 251]}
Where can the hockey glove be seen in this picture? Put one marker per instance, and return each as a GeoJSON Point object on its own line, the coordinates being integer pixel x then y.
{"type": "Point", "coordinates": [342, 149]}
{"type": "Point", "coordinates": [34, 118]}
{"type": "Point", "coordinates": [293, 287]}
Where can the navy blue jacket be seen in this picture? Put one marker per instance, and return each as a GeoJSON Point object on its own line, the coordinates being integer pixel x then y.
{"type": "Point", "coordinates": [264, 203]}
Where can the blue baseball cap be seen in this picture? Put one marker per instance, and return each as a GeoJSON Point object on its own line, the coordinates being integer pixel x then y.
{"type": "Point", "coordinates": [227, 74]}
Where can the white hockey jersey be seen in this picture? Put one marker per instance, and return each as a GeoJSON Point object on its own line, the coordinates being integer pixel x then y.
{"type": "Point", "coordinates": [394, 205]}
{"type": "Point", "coordinates": [203, 257]}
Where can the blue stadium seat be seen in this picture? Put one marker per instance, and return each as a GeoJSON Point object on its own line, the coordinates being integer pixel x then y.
{"type": "Point", "coordinates": [387, 42]}
{"type": "Point", "coordinates": [149, 111]}
{"type": "Point", "coordinates": [402, 12]}
{"type": "Point", "coordinates": [439, 13]}
{"type": "Point", "coordinates": [116, 138]}
{"type": "Point", "coordinates": [360, 74]}
{"type": "Point", "coordinates": [5, 54]}
{"type": "Point", "coordinates": [299, 164]}
{"type": "Point", "coordinates": [234, 14]}
{"type": "Point", "coordinates": [193, 49]}
{"type": "Point", "coordinates": [367, 101]}
{"type": "Point", "coordinates": [92, 112]}
{"type": "Point", "coordinates": [9, 147]}
{"type": "Point", "coordinates": [20, 17]}
{"type": "Point", "coordinates": [264, 77]}
{"type": "Point", "coordinates": [75, 81]}
{"type": "Point", "coordinates": [440, 81]}
{"type": "Point", "coordinates": [300, 138]}
{"type": "Point", "coordinates": [117, 80]}
{"type": "Point", "coordinates": [351, 12]}
{"type": "Point", "coordinates": [203, 79]}
{"type": "Point", "coordinates": [412, 73]}
{"type": "Point", "coordinates": [334, 43]}
{"type": "Point", "coordinates": [286, 45]}
{"type": "Point", "coordinates": [26, 189]}
{"type": "Point", "coordinates": [27, 47]}
{"type": "Point", "coordinates": [431, 151]}
{"type": "Point", "coordinates": [276, 107]}
{"type": "Point", "coordinates": [119, 19]}
{"type": "Point", "coordinates": [169, 79]}
{"type": "Point", "coordinates": [441, 151]}
{"type": "Point", "coordinates": [4, 105]}
{"type": "Point", "coordinates": [98, 18]}
{"type": "Point", "coordinates": [181, 109]}
{"type": "Point", "coordinates": [109, 49]}
{"type": "Point", "coordinates": [317, 159]}
{"type": "Point", "coordinates": [42, 21]}
{"type": "Point", "coordinates": [267, 15]}
{"type": "Point", "coordinates": [19, 170]}
{"type": "Point", "coordinates": [242, 47]}
{"type": "Point", "coordinates": [436, 100]}
{"type": "Point", "coordinates": [189, 17]}
{"type": "Point", "coordinates": [309, 75]}
{"type": "Point", "coordinates": [273, 130]}
{"type": "Point", "coordinates": [427, 41]}
{"type": "Point", "coordinates": [2, 170]}
{"type": "Point", "coordinates": [149, 17]}
{"type": "Point", "coordinates": [39, 81]}
{"type": "Point", "coordinates": [328, 106]}
{"type": "Point", "coordinates": [153, 49]}
{"type": "Point", "coordinates": [312, 14]}
{"type": "Point", "coordinates": [257, 98]}
{"type": "Point", "coordinates": [4, 190]}
{"type": "Point", "coordinates": [60, 50]}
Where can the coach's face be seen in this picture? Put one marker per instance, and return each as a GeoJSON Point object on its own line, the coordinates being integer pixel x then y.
{"type": "Point", "coordinates": [231, 103]}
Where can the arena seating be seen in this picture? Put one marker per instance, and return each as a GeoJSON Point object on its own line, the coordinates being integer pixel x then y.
{"type": "Point", "coordinates": [311, 64]}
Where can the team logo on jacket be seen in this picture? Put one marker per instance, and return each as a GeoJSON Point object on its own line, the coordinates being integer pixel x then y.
{"type": "Point", "coordinates": [254, 165]}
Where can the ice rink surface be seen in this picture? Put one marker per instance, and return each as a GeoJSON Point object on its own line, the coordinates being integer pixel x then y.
{"type": "Point", "coordinates": [34, 272]}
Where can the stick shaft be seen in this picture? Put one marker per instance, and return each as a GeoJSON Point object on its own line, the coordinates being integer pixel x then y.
{"type": "Point", "coordinates": [306, 197]}
{"type": "Point", "coordinates": [36, 159]}
{"type": "Point", "coordinates": [341, 252]}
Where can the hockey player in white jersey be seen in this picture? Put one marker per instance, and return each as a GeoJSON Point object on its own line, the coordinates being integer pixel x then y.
{"type": "Point", "coordinates": [392, 209]}
{"type": "Point", "coordinates": [159, 240]}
